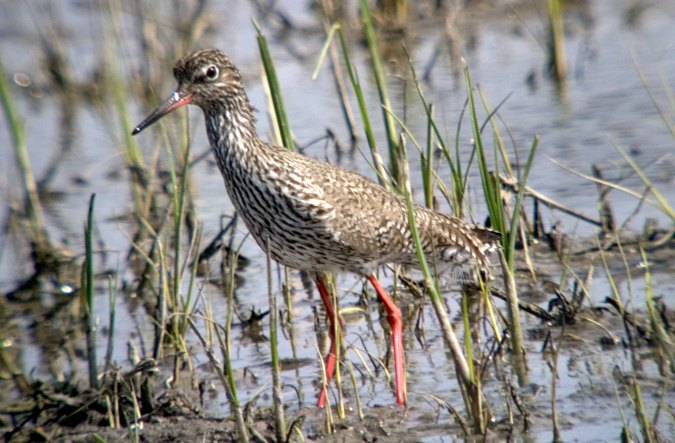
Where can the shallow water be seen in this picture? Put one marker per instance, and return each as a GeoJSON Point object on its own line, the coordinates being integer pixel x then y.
{"type": "Point", "coordinates": [604, 103]}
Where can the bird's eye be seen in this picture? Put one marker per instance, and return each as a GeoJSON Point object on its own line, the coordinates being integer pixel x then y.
{"type": "Point", "coordinates": [212, 72]}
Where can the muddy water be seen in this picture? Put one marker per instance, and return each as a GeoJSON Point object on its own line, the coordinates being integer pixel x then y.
{"type": "Point", "coordinates": [603, 103]}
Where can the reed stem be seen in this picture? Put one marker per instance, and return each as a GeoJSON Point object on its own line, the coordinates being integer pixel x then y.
{"type": "Point", "coordinates": [88, 285]}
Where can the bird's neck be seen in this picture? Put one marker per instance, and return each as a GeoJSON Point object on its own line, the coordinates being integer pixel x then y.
{"type": "Point", "coordinates": [232, 134]}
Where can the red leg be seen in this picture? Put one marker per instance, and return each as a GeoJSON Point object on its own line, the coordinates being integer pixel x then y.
{"type": "Point", "coordinates": [329, 362]}
{"type": "Point", "coordinates": [396, 324]}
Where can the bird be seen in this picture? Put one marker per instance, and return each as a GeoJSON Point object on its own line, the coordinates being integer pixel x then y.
{"type": "Point", "coordinates": [311, 215]}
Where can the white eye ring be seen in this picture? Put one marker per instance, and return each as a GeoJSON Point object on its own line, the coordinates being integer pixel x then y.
{"type": "Point", "coordinates": [211, 72]}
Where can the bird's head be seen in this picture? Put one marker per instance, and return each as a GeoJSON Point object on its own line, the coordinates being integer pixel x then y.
{"type": "Point", "coordinates": [206, 78]}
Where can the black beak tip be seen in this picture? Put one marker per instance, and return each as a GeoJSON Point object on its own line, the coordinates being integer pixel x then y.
{"type": "Point", "coordinates": [136, 130]}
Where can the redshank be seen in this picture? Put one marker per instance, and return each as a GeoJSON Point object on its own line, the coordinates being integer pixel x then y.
{"type": "Point", "coordinates": [310, 215]}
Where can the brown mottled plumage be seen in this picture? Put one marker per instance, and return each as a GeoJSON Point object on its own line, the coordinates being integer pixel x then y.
{"type": "Point", "coordinates": [313, 215]}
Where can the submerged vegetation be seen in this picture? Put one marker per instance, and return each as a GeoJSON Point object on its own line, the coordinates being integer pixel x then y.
{"type": "Point", "coordinates": [164, 324]}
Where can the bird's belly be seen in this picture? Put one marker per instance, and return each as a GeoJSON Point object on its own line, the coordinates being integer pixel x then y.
{"type": "Point", "coordinates": [305, 247]}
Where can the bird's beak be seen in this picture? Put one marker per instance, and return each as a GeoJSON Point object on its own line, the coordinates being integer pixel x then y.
{"type": "Point", "coordinates": [174, 102]}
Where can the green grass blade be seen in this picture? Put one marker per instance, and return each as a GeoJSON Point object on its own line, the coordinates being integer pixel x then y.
{"type": "Point", "coordinates": [275, 89]}
{"type": "Point", "coordinates": [277, 400]}
{"type": "Point", "coordinates": [517, 209]}
{"type": "Point", "coordinates": [324, 49]}
{"type": "Point", "coordinates": [112, 307]}
{"type": "Point", "coordinates": [663, 204]}
{"type": "Point", "coordinates": [89, 295]}
{"type": "Point", "coordinates": [427, 163]}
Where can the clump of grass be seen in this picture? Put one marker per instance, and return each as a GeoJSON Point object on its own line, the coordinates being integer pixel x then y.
{"type": "Point", "coordinates": [509, 224]}
{"type": "Point", "coordinates": [223, 335]}
{"type": "Point", "coordinates": [655, 334]}
{"type": "Point", "coordinates": [457, 177]}
{"type": "Point", "coordinates": [468, 382]}
{"type": "Point", "coordinates": [175, 300]}
{"type": "Point", "coordinates": [166, 241]}
{"type": "Point", "coordinates": [381, 83]}
{"type": "Point", "coordinates": [510, 231]}
{"type": "Point", "coordinates": [378, 165]}
{"type": "Point", "coordinates": [663, 339]}
{"type": "Point", "coordinates": [139, 172]}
